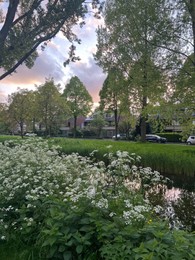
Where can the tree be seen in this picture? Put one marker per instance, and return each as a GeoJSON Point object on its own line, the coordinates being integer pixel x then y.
{"type": "Point", "coordinates": [111, 94]}
{"type": "Point", "coordinates": [29, 24]}
{"type": "Point", "coordinates": [161, 33]}
{"type": "Point", "coordinates": [98, 122]}
{"type": "Point", "coordinates": [78, 99]}
{"type": "Point", "coordinates": [4, 119]}
{"type": "Point", "coordinates": [184, 92]}
{"type": "Point", "coordinates": [183, 97]}
{"type": "Point", "coordinates": [19, 109]}
{"type": "Point", "coordinates": [52, 110]}
{"type": "Point", "coordinates": [129, 42]}
{"type": "Point", "coordinates": [183, 30]}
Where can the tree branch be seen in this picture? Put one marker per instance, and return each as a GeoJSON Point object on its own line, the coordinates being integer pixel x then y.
{"type": "Point", "coordinates": [33, 49]}
{"type": "Point", "coordinates": [34, 6]}
{"type": "Point", "coordinates": [13, 4]}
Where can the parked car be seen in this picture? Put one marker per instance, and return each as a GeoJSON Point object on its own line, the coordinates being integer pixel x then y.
{"type": "Point", "coordinates": [156, 139]}
{"type": "Point", "coordinates": [30, 134]}
{"type": "Point", "coordinates": [120, 136]}
{"type": "Point", "coordinates": [191, 139]}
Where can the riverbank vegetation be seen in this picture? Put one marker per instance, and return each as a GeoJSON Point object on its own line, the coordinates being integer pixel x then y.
{"type": "Point", "coordinates": [57, 206]}
{"type": "Point", "coordinates": [172, 160]}
{"type": "Point", "coordinates": [169, 159]}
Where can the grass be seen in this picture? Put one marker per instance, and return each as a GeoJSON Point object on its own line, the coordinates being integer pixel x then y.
{"type": "Point", "coordinates": [173, 160]}
{"type": "Point", "coordinates": [17, 251]}
{"type": "Point", "coordinates": [169, 159]}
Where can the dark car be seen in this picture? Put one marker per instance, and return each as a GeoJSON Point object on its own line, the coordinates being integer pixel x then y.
{"type": "Point", "coordinates": [156, 139]}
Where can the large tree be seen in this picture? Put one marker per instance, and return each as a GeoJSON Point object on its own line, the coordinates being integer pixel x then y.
{"type": "Point", "coordinates": [4, 119]}
{"type": "Point", "coordinates": [129, 41]}
{"type": "Point", "coordinates": [19, 109]}
{"type": "Point", "coordinates": [52, 110]}
{"type": "Point", "coordinates": [98, 122]}
{"type": "Point", "coordinates": [78, 99]}
{"type": "Point", "coordinates": [28, 24]}
{"type": "Point", "coordinates": [111, 95]}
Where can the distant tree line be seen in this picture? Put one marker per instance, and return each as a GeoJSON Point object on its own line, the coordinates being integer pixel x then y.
{"type": "Point", "coordinates": [46, 106]}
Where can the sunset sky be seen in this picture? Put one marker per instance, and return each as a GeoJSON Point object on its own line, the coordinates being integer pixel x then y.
{"type": "Point", "coordinates": [50, 64]}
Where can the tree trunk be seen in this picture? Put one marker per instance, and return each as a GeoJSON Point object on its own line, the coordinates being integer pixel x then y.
{"type": "Point", "coordinates": [22, 129]}
{"type": "Point", "coordinates": [192, 13]}
{"type": "Point", "coordinates": [143, 120]}
{"type": "Point", "coordinates": [116, 122]}
{"type": "Point", "coordinates": [33, 125]}
{"type": "Point", "coordinates": [145, 80]}
{"type": "Point", "coordinates": [75, 127]}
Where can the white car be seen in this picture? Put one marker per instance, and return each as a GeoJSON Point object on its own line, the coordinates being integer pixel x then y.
{"type": "Point", "coordinates": [120, 136]}
{"type": "Point", "coordinates": [30, 134]}
{"type": "Point", "coordinates": [191, 139]}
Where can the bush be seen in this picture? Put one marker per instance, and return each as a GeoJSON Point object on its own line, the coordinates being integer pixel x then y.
{"type": "Point", "coordinates": [172, 137]}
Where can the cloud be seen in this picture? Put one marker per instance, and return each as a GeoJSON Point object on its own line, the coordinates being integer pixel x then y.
{"type": "Point", "coordinates": [50, 64]}
{"type": "Point", "coordinates": [91, 75]}
{"type": "Point", "coordinates": [45, 66]}
{"type": "Point", "coordinates": [3, 97]}
{"type": "Point", "coordinates": [89, 29]}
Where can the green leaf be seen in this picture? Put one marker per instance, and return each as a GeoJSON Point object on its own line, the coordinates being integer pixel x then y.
{"type": "Point", "coordinates": [86, 228]}
{"type": "Point", "coordinates": [52, 251]}
{"type": "Point", "coordinates": [62, 248]}
{"type": "Point", "coordinates": [50, 241]}
{"type": "Point", "coordinates": [79, 249]}
{"type": "Point", "coordinates": [70, 242]}
{"type": "Point", "coordinates": [67, 255]}
{"type": "Point", "coordinates": [85, 221]}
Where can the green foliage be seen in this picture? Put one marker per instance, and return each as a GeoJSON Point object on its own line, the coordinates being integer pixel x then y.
{"type": "Point", "coordinates": [89, 233]}
{"type": "Point", "coordinates": [78, 99]}
{"type": "Point", "coordinates": [132, 46]}
{"type": "Point", "coordinates": [70, 233]}
{"type": "Point", "coordinates": [20, 109]}
{"type": "Point", "coordinates": [72, 207]}
{"type": "Point", "coordinates": [185, 210]}
{"type": "Point", "coordinates": [184, 86]}
{"type": "Point", "coordinates": [172, 137]}
{"type": "Point", "coordinates": [51, 108]}
{"type": "Point", "coordinates": [154, 241]}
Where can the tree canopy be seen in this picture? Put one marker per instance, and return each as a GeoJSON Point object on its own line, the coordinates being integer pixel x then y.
{"type": "Point", "coordinates": [128, 41]}
{"type": "Point", "coordinates": [28, 24]}
{"type": "Point", "coordinates": [112, 94]}
{"type": "Point", "coordinates": [52, 110]}
{"type": "Point", "coordinates": [78, 99]}
{"type": "Point", "coordinates": [20, 108]}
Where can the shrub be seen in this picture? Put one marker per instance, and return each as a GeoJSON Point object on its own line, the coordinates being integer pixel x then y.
{"type": "Point", "coordinates": [172, 137]}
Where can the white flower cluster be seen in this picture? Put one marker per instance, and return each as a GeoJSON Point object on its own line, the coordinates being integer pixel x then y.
{"type": "Point", "coordinates": [31, 171]}
{"type": "Point", "coordinates": [135, 213]}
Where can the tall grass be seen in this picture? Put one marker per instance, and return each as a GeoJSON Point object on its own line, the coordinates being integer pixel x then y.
{"type": "Point", "coordinates": [169, 159]}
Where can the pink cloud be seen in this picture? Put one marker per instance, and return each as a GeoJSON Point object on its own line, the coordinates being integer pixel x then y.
{"type": "Point", "coordinates": [50, 64]}
{"type": "Point", "coordinates": [91, 75]}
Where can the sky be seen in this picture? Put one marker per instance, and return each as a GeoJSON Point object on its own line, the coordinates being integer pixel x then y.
{"type": "Point", "coordinates": [50, 64]}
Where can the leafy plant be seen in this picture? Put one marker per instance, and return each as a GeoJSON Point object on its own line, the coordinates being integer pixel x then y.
{"type": "Point", "coordinates": [74, 207]}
